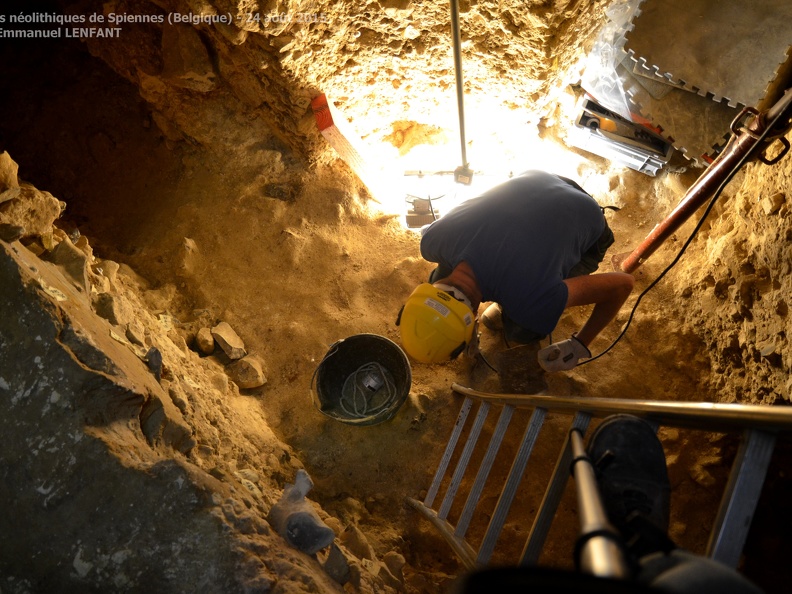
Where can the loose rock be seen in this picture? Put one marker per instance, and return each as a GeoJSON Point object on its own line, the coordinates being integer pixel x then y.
{"type": "Point", "coordinates": [11, 233]}
{"type": "Point", "coordinates": [189, 255]}
{"type": "Point", "coordinates": [9, 184]}
{"type": "Point", "coordinates": [73, 261]}
{"type": "Point", "coordinates": [110, 308]}
{"type": "Point", "coordinates": [135, 333]}
{"type": "Point", "coordinates": [772, 204]}
{"type": "Point", "coordinates": [108, 269]}
{"type": "Point", "coordinates": [205, 341]}
{"type": "Point", "coordinates": [395, 563]}
{"type": "Point", "coordinates": [357, 543]}
{"type": "Point", "coordinates": [337, 565]}
{"type": "Point", "coordinates": [34, 210]}
{"type": "Point", "coordinates": [154, 362]}
{"type": "Point", "coordinates": [229, 341]}
{"type": "Point", "coordinates": [247, 373]}
{"type": "Point", "coordinates": [388, 578]}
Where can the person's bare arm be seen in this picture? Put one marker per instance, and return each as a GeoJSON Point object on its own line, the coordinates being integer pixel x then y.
{"type": "Point", "coordinates": [608, 291]}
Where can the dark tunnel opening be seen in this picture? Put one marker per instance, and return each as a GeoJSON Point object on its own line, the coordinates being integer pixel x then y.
{"type": "Point", "coordinates": [82, 132]}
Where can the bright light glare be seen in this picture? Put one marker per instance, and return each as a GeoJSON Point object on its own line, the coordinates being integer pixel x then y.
{"type": "Point", "coordinates": [500, 145]}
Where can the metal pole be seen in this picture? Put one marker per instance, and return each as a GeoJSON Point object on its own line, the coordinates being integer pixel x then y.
{"type": "Point", "coordinates": [738, 152]}
{"type": "Point", "coordinates": [600, 553]}
{"type": "Point", "coordinates": [462, 174]}
{"type": "Point", "coordinates": [555, 489]}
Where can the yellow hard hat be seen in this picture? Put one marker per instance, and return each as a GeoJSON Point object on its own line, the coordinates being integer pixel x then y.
{"type": "Point", "coordinates": [435, 327]}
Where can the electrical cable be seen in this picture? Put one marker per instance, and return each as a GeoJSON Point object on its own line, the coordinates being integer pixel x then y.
{"type": "Point", "coordinates": [710, 206]}
{"type": "Point", "coordinates": [483, 358]}
{"type": "Point", "coordinates": [431, 208]}
{"type": "Point", "coordinates": [357, 395]}
{"type": "Point", "coordinates": [411, 198]}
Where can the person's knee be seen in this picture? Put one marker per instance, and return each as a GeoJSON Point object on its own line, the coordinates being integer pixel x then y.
{"type": "Point", "coordinates": [626, 284]}
{"type": "Point", "coordinates": [682, 572]}
{"type": "Point", "coordinates": [629, 280]}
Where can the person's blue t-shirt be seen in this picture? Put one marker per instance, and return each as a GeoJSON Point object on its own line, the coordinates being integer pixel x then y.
{"type": "Point", "coordinates": [521, 239]}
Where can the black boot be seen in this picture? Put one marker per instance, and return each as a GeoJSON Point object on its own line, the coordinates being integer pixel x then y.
{"type": "Point", "coordinates": [633, 481]}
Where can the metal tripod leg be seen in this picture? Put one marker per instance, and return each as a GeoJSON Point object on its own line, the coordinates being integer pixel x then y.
{"type": "Point", "coordinates": [552, 497]}
{"type": "Point", "coordinates": [600, 549]}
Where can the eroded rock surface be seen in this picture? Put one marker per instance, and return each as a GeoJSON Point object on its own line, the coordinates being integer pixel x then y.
{"type": "Point", "coordinates": [117, 476]}
{"type": "Point", "coordinates": [90, 501]}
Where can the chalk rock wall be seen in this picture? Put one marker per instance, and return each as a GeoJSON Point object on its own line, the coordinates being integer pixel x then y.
{"type": "Point", "coordinates": [735, 286]}
{"type": "Point", "coordinates": [248, 84]}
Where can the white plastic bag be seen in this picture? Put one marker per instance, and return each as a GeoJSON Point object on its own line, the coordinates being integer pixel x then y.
{"type": "Point", "coordinates": [600, 77]}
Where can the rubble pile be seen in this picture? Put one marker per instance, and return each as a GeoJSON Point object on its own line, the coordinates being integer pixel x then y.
{"type": "Point", "coordinates": [128, 463]}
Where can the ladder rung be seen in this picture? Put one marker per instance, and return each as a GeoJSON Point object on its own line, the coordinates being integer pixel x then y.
{"type": "Point", "coordinates": [484, 470]}
{"type": "Point", "coordinates": [461, 466]}
{"type": "Point", "coordinates": [510, 489]}
{"type": "Point", "coordinates": [452, 441]}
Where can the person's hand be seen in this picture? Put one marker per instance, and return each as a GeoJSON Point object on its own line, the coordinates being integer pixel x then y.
{"type": "Point", "coordinates": [564, 355]}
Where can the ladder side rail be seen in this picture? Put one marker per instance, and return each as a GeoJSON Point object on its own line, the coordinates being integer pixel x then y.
{"type": "Point", "coordinates": [727, 539]}
{"type": "Point", "coordinates": [552, 497]}
{"type": "Point", "coordinates": [463, 550]}
{"type": "Point", "coordinates": [510, 488]}
{"type": "Point", "coordinates": [712, 416]}
{"type": "Point", "coordinates": [741, 497]}
{"type": "Point", "coordinates": [450, 447]}
{"type": "Point", "coordinates": [486, 465]}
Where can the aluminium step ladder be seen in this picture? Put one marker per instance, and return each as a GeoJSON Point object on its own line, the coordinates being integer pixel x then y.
{"type": "Point", "coordinates": [759, 426]}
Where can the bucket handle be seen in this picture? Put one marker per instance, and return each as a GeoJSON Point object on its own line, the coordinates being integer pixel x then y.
{"type": "Point", "coordinates": [330, 352]}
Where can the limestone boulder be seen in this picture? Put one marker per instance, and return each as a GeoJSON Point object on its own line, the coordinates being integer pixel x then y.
{"type": "Point", "coordinates": [9, 184]}
{"type": "Point", "coordinates": [31, 209]}
{"type": "Point", "coordinates": [247, 373]}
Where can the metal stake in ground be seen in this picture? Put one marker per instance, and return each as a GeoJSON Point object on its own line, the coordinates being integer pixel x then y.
{"type": "Point", "coordinates": [462, 174]}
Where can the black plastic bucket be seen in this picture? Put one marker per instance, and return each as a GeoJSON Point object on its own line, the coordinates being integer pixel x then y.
{"type": "Point", "coordinates": [362, 380]}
